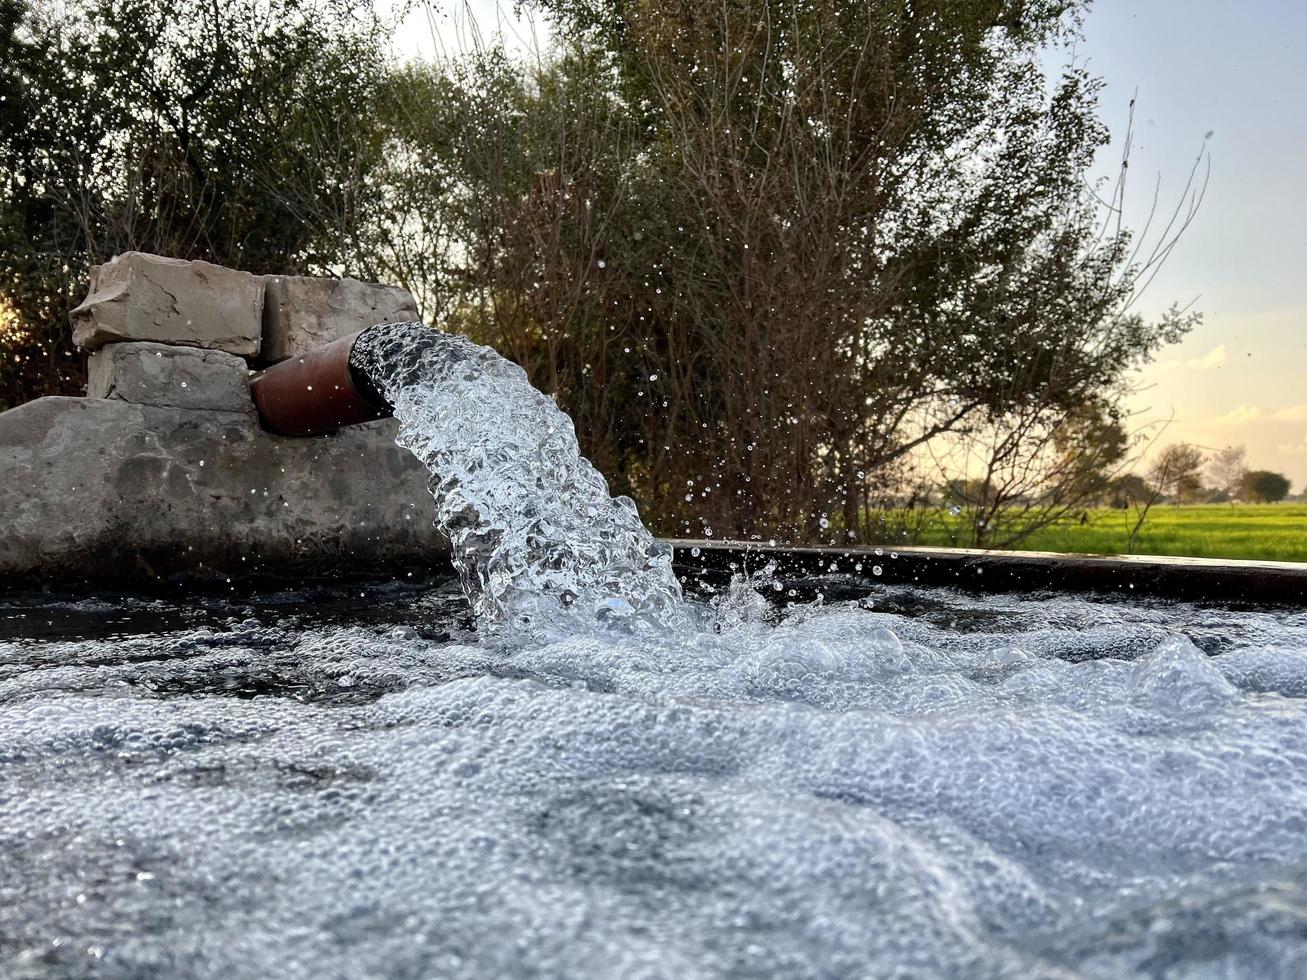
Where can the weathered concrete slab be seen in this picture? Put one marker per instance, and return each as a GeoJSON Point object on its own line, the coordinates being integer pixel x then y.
{"type": "Point", "coordinates": [303, 312]}
{"type": "Point", "coordinates": [138, 296]}
{"type": "Point", "coordinates": [170, 377]}
{"type": "Point", "coordinates": [106, 489]}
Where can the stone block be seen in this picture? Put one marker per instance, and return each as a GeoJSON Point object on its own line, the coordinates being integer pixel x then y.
{"type": "Point", "coordinates": [176, 377]}
{"type": "Point", "coordinates": [303, 312]}
{"type": "Point", "coordinates": [105, 490]}
{"type": "Point", "coordinates": [143, 297]}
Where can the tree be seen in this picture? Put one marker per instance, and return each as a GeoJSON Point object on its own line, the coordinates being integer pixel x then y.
{"type": "Point", "coordinates": [1037, 468]}
{"type": "Point", "coordinates": [1128, 490]}
{"type": "Point", "coordinates": [766, 249]}
{"type": "Point", "coordinates": [1227, 468]}
{"type": "Point", "coordinates": [1264, 487]}
{"type": "Point", "coordinates": [240, 132]}
{"type": "Point", "coordinates": [38, 241]}
{"type": "Point", "coordinates": [1177, 472]}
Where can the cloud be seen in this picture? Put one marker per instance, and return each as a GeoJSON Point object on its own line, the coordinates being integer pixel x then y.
{"type": "Point", "coordinates": [1213, 360]}
{"type": "Point", "coordinates": [1244, 414]}
{"type": "Point", "coordinates": [1240, 416]}
{"type": "Point", "coordinates": [1294, 449]}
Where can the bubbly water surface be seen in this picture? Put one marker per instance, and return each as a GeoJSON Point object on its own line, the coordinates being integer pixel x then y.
{"type": "Point", "coordinates": [915, 784]}
{"type": "Point", "coordinates": [596, 777]}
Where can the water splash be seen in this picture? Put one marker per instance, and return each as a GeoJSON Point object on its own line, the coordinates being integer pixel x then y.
{"type": "Point", "coordinates": [540, 545]}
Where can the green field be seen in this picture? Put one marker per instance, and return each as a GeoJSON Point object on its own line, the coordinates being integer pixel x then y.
{"type": "Point", "coordinates": [1276, 532]}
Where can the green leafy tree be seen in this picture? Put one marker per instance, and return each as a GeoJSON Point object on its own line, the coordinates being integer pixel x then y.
{"type": "Point", "coordinates": [1128, 490]}
{"type": "Point", "coordinates": [41, 262]}
{"type": "Point", "coordinates": [1264, 487]}
{"type": "Point", "coordinates": [764, 250]}
{"type": "Point", "coordinates": [1177, 472]}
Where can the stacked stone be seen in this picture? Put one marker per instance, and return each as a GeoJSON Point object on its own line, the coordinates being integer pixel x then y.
{"type": "Point", "coordinates": [183, 334]}
{"type": "Point", "coordinates": [169, 448]}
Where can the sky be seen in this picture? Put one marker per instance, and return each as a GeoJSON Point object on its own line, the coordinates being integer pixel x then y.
{"type": "Point", "coordinates": [448, 26]}
{"type": "Point", "coordinates": [1233, 69]}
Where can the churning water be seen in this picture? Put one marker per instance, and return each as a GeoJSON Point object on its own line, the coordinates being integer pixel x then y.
{"type": "Point", "coordinates": [537, 540]}
{"type": "Point", "coordinates": [596, 777]}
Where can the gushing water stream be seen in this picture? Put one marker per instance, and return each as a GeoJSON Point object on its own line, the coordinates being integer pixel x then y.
{"type": "Point", "coordinates": [538, 542]}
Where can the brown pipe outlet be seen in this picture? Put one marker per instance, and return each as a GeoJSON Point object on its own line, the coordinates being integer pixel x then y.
{"type": "Point", "coordinates": [313, 393]}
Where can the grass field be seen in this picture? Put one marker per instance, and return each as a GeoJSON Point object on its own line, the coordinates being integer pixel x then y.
{"type": "Point", "coordinates": [1275, 532]}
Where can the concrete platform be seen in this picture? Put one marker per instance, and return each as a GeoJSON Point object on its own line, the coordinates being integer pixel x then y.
{"type": "Point", "coordinates": [97, 489]}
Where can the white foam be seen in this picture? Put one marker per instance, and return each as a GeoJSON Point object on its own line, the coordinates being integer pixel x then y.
{"type": "Point", "coordinates": [845, 792]}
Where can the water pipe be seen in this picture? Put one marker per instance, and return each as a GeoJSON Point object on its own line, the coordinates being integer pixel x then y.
{"type": "Point", "coordinates": [316, 392]}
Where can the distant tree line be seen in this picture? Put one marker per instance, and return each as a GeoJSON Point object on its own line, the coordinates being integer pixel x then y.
{"type": "Point", "coordinates": [985, 511]}
{"type": "Point", "coordinates": [1186, 474]}
{"type": "Point", "coordinates": [782, 261]}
